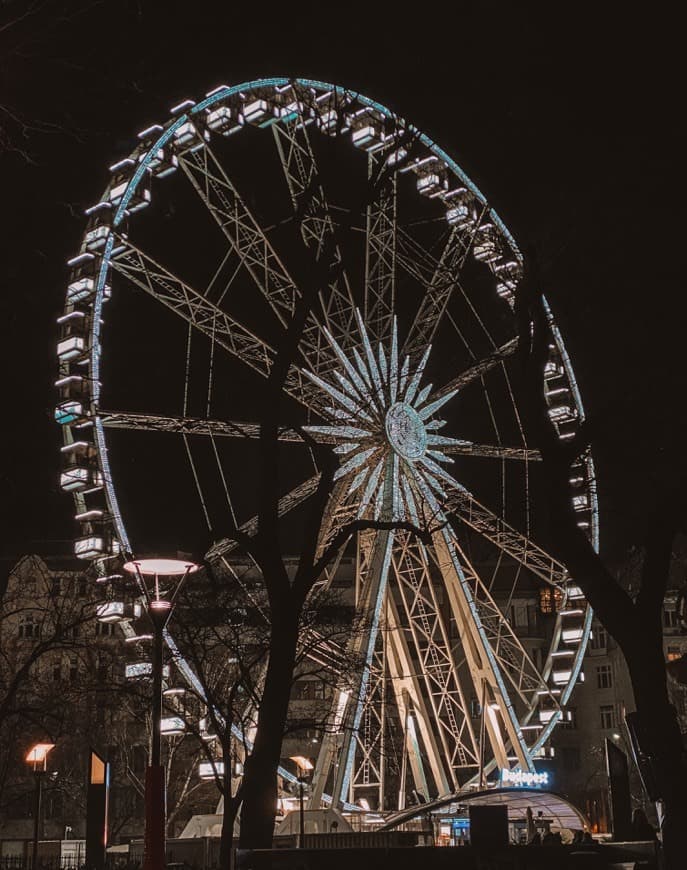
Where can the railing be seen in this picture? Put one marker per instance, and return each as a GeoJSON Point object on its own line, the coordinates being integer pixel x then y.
{"type": "Point", "coordinates": [44, 862]}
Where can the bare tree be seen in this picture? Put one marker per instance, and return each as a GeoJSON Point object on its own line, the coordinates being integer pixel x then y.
{"type": "Point", "coordinates": [635, 623]}
{"type": "Point", "coordinates": [222, 629]}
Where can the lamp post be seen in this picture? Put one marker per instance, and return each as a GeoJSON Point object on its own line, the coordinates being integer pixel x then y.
{"type": "Point", "coordinates": [303, 764]}
{"type": "Point", "coordinates": [37, 756]}
{"type": "Point", "coordinates": [160, 580]}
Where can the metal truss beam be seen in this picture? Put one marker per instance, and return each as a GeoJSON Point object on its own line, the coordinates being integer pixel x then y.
{"type": "Point", "coordinates": [192, 306]}
{"type": "Point", "coordinates": [189, 426]}
{"type": "Point", "coordinates": [207, 318]}
{"type": "Point", "coordinates": [442, 284]}
{"type": "Point", "coordinates": [511, 656]}
{"type": "Point", "coordinates": [236, 429]}
{"type": "Point", "coordinates": [434, 657]}
{"type": "Point", "coordinates": [254, 250]}
{"type": "Point", "coordinates": [492, 451]}
{"type": "Point", "coordinates": [465, 507]}
{"type": "Point", "coordinates": [317, 231]}
{"type": "Point", "coordinates": [368, 774]}
{"type": "Point", "coordinates": [503, 729]}
{"type": "Point", "coordinates": [380, 256]}
{"type": "Point", "coordinates": [242, 230]}
{"type": "Point", "coordinates": [412, 709]}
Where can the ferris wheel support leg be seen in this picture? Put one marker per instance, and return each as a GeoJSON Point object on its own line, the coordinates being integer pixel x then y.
{"type": "Point", "coordinates": [411, 706]}
{"type": "Point", "coordinates": [350, 707]}
{"type": "Point", "coordinates": [481, 659]}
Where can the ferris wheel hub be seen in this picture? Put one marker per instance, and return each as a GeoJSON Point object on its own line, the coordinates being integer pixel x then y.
{"type": "Point", "coordinates": [405, 431]}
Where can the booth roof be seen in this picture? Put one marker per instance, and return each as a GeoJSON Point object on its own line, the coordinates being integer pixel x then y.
{"type": "Point", "coordinates": [560, 812]}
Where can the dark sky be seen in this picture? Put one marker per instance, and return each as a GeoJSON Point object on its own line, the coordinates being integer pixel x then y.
{"type": "Point", "coordinates": [569, 123]}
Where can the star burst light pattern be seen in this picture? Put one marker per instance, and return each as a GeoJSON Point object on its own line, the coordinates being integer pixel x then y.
{"type": "Point", "coordinates": [386, 431]}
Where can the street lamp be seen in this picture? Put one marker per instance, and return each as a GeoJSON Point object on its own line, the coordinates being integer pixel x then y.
{"type": "Point", "coordinates": [303, 764]}
{"type": "Point", "coordinates": [37, 757]}
{"type": "Point", "coordinates": [160, 598]}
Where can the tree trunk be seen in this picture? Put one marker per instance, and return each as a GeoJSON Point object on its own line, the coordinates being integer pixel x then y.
{"type": "Point", "coordinates": [226, 837]}
{"type": "Point", "coordinates": [260, 775]}
{"type": "Point", "coordinates": [664, 745]}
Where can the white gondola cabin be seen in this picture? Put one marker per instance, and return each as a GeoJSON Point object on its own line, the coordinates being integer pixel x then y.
{"type": "Point", "coordinates": [74, 400]}
{"type": "Point", "coordinates": [97, 540]}
{"type": "Point", "coordinates": [73, 341]}
{"type": "Point", "coordinates": [80, 472]}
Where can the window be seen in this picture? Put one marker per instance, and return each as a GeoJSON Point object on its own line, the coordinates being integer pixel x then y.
{"type": "Point", "coordinates": [104, 629]}
{"type": "Point", "coordinates": [607, 716]}
{"type": "Point", "coordinates": [518, 615]}
{"type": "Point", "coordinates": [604, 677]}
{"type": "Point", "coordinates": [28, 627]}
{"type": "Point", "coordinates": [73, 669]}
{"type": "Point", "coordinates": [57, 672]}
{"type": "Point", "coordinates": [673, 653]}
{"type": "Point", "coordinates": [670, 619]}
{"type": "Point", "coordinates": [550, 600]}
{"type": "Point", "coordinates": [309, 690]}
{"type": "Point", "coordinates": [83, 587]}
{"type": "Point", "coordinates": [569, 718]}
{"type": "Point", "coordinates": [599, 637]}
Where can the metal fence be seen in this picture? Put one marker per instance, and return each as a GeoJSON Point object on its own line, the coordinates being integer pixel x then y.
{"type": "Point", "coordinates": [51, 862]}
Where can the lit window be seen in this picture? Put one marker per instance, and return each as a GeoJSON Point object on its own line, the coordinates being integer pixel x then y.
{"type": "Point", "coordinates": [673, 653]}
{"type": "Point", "coordinates": [569, 719]}
{"type": "Point", "coordinates": [550, 600]}
{"type": "Point", "coordinates": [604, 677]}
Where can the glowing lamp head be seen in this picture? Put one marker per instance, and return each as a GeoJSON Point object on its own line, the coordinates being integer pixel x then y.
{"type": "Point", "coordinates": [160, 567]}
{"type": "Point", "coordinates": [302, 762]}
{"type": "Point", "coordinates": [38, 755]}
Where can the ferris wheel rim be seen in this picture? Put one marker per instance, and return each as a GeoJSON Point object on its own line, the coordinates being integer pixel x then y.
{"type": "Point", "coordinates": [139, 174]}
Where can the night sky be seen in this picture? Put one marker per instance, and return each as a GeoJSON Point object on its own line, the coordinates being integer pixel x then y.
{"type": "Point", "coordinates": [571, 126]}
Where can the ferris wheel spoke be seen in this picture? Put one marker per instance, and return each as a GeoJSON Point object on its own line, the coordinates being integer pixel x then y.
{"type": "Point", "coordinates": [243, 232]}
{"type": "Point", "coordinates": [380, 254]}
{"type": "Point", "coordinates": [434, 656]}
{"type": "Point", "coordinates": [136, 266]}
{"type": "Point", "coordinates": [191, 426]}
{"type": "Point", "coordinates": [525, 678]}
{"type": "Point", "coordinates": [488, 658]}
{"type": "Point", "coordinates": [220, 327]}
{"type": "Point", "coordinates": [492, 451]}
{"type": "Point", "coordinates": [480, 368]}
{"type": "Point", "coordinates": [316, 225]}
{"type": "Point", "coordinates": [465, 507]}
{"type": "Point", "coordinates": [437, 294]}
{"type": "Point", "coordinates": [250, 243]}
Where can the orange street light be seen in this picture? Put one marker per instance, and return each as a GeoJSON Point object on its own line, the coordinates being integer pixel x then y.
{"type": "Point", "coordinates": [304, 765]}
{"type": "Point", "coordinates": [37, 757]}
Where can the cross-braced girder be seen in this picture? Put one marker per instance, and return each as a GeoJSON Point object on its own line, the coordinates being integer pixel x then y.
{"type": "Point", "coordinates": [380, 253]}
{"type": "Point", "coordinates": [434, 655]}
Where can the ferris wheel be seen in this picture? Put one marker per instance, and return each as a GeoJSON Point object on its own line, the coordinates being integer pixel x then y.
{"type": "Point", "coordinates": [188, 276]}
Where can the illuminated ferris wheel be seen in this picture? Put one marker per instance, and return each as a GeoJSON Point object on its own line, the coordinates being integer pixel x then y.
{"type": "Point", "coordinates": [474, 634]}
